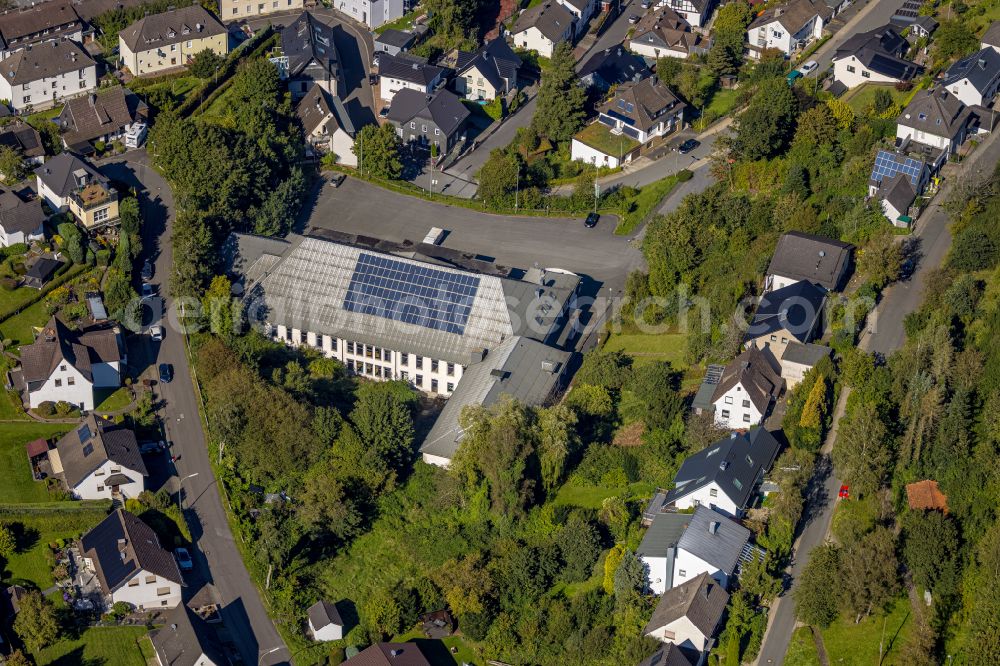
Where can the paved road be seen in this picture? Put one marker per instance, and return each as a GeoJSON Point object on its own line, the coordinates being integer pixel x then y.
{"type": "Point", "coordinates": [460, 177]}
{"type": "Point", "coordinates": [887, 336]}
{"type": "Point", "coordinates": [216, 556]}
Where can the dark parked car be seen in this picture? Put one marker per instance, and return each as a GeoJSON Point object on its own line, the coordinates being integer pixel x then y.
{"type": "Point", "coordinates": [166, 373]}
{"type": "Point", "coordinates": [688, 146]}
{"type": "Point", "coordinates": [337, 180]}
{"type": "Point", "coordinates": [591, 220]}
{"type": "Point", "coordinates": [147, 271]}
{"type": "Point", "coordinates": [383, 112]}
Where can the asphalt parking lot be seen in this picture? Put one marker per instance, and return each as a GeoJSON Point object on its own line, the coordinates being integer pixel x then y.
{"type": "Point", "coordinates": [357, 207]}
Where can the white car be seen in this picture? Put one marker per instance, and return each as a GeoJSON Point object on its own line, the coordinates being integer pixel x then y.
{"type": "Point", "coordinates": [156, 333]}
{"type": "Point", "coordinates": [807, 68]}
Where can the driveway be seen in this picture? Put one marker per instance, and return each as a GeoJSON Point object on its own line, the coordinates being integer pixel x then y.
{"type": "Point", "coordinates": [217, 559]}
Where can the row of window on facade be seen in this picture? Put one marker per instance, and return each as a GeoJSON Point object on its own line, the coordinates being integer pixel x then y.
{"type": "Point", "coordinates": [260, 7]}
{"type": "Point", "coordinates": [383, 372]}
{"type": "Point", "coordinates": [864, 74]}
{"type": "Point", "coordinates": [725, 415]}
{"type": "Point", "coordinates": [70, 381]}
{"type": "Point", "coordinates": [370, 351]}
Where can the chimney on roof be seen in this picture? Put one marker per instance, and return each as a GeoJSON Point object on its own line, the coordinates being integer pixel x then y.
{"type": "Point", "coordinates": [92, 98]}
{"type": "Point", "coordinates": [395, 652]}
{"type": "Point", "coordinates": [713, 527]}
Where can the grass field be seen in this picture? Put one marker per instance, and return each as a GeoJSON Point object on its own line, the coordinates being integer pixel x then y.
{"type": "Point", "coordinates": [849, 644]}
{"type": "Point", "coordinates": [20, 327]}
{"type": "Point", "coordinates": [862, 96]}
{"type": "Point", "coordinates": [105, 646]}
{"type": "Point", "coordinates": [10, 407]}
{"type": "Point", "coordinates": [110, 401]}
{"type": "Point", "coordinates": [438, 655]}
{"type": "Point", "coordinates": [722, 103]}
{"type": "Point", "coordinates": [12, 299]}
{"type": "Point", "coordinates": [646, 348]}
{"type": "Point", "coordinates": [18, 485]}
{"type": "Point", "coordinates": [648, 198]}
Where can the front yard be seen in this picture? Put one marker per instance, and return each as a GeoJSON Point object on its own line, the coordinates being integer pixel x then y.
{"type": "Point", "coordinates": [109, 646]}
{"type": "Point", "coordinates": [861, 98]}
{"type": "Point", "coordinates": [645, 348]}
{"type": "Point", "coordinates": [599, 136]}
{"type": "Point", "coordinates": [18, 486]}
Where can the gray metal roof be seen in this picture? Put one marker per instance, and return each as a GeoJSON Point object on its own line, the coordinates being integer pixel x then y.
{"type": "Point", "coordinates": [398, 38]}
{"type": "Point", "coordinates": [992, 34]}
{"type": "Point", "coordinates": [803, 256]}
{"type": "Point", "coordinates": [664, 534]}
{"type": "Point", "coordinates": [715, 539]}
{"type": "Point", "coordinates": [703, 398]}
{"type": "Point", "coordinates": [521, 368]}
{"type": "Point", "coordinates": [804, 354]}
{"type": "Point", "coordinates": [408, 69]}
{"type": "Point", "coordinates": [736, 463]}
{"type": "Point", "coordinates": [793, 309]}
{"type": "Point", "coordinates": [307, 287]}
{"type": "Point", "coordinates": [981, 69]}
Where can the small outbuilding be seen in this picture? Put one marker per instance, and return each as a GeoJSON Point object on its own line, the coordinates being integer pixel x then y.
{"type": "Point", "coordinates": [324, 622]}
{"type": "Point", "coordinates": [926, 496]}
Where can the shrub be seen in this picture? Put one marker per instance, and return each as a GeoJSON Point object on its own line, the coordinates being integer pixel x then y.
{"type": "Point", "coordinates": [63, 408]}
{"type": "Point", "coordinates": [46, 409]}
{"type": "Point", "coordinates": [8, 284]}
{"type": "Point", "coordinates": [100, 146]}
{"type": "Point", "coordinates": [684, 176]}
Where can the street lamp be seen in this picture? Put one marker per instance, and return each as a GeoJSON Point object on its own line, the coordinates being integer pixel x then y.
{"type": "Point", "coordinates": [271, 651]}
{"type": "Point", "coordinates": [180, 490]}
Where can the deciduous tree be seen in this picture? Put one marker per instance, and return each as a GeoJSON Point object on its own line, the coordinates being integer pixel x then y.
{"type": "Point", "coordinates": [816, 595]}
{"type": "Point", "coordinates": [870, 572]}
{"type": "Point", "coordinates": [36, 622]}
{"type": "Point", "coordinates": [378, 150]}
{"type": "Point", "coordinates": [863, 451]}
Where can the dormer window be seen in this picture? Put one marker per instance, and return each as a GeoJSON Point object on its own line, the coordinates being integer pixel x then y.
{"type": "Point", "coordinates": [921, 116]}
{"type": "Point", "coordinates": [171, 34]}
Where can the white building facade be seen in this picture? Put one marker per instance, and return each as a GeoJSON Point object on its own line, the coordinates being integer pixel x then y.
{"type": "Point", "coordinates": [372, 13]}
{"type": "Point", "coordinates": [712, 496]}
{"type": "Point", "coordinates": [533, 40]}
{"type": "Point", "coordinates": [97, 486]}
{"type": "Point", "coordinates": [774, 35]}
{"type": "Point", "coordinates": [851, 72]}
{"type": "Point", "coordinates": [47, 91]}
{"type": "Point", "coordinates": [734, 409]}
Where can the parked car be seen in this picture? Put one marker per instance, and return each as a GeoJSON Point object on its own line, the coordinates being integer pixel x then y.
{"type": "Point", "coordinates": [633, 19]}
{"type": "Point", "coordinates": [378, 56]}
{"type": "Point", "coordinates": [646, 4]}
{"type": "Point", "coordinates": [383, 112]}
{"type": "Point", "coordinates": [152, 447]}
{"type": "Point", "coordinates": [184, 560]}
{"type": "Point", "coordinates": [792, 75]}
{"type": "Point", "coordinates": [688, 146]}
{"type": "Point", "coordinates": [166, 373]}
{"type": "Point", "coordinates": [156, 333]}
{"type": "Point", "coordinates": [147, 271]}
{"type": "Point", "coordinates": [844, 492]}
{"type": "Point", "coordinates": [337, 179]}
{"type": "Point", "coordinates": [591, 220]}
{"type": "Point", "coordinates": [147, 290]}
{"type": "Point", "coordinates": [808, 67]}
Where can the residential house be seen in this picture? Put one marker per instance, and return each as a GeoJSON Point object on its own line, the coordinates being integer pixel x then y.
{"type": "Point", "coordinates": [643, 110]}
{"type": "Point", "coordinates": [797, 359]}
{"type": "Point", "coordinates": [541, 27]}
{"type": "Point", "coordinates": [679, 547]}
{"type": "Point", "coordinates": [875, 56]}
{"type": "Point", "coordinates": [722, 476]}
{"type": "Point", "coordinates": [233, 10]}
{"type": "Point", "coordinates": [394, 41]}
{"type": "Point", "coordinates": [667, 655]}
{"type": "Point", "coordinates": [582, 11]}
{"type": "Point", "coordinates": [130, 564]}
{"type": "Point", "coordinates": [991, 38]}
{"type": "Point", "coordinates": [695, 12]}
{"type": "Point", "coordinates": [664, 33]}
{"type": "Point", "coordinates": [65, 365]}
{"type": "Point", "coordinates": [918, 162]}
{"type": "Point", "coordinates": [488, 73]}
{"type": "Point", "coordinates": [602, 146]}
{"type": "Point", "coordinates": [66, 182]}
{"type": "Point", "coordinates": [798, 256]}
{"type": "Point", "coordinates": [923, 27]}
{"type": "Point", "coordinates": [788, 28]}
{"type": "Point", "coordinates": [160, 42]}
{"type": "Point", "coordinates": [975, 79]}
{"type": "Point", "coordinates": [105, 116]}
{"type": "Point", "coordinates": [896, 195]}
{"type": "Point", "coordinates": [21, 221]}
{"type": "Point", "coordinates": [688, 615]}
{"type": "Point", "coordinates": [750, 384]}
{"type": "Point", "coordinates": [327, 125]}
{"type": "Point", "coordinates": [404, 72]}
{"type": "Point", "coordinates": [25, 139]}
{"type": "Point", "coordinates": [42, 75]}
{"type": "Point", "coordinates": [309, 56]}
{"type": "Point", "coordinates": [425, 120]}
{"type": "Point", "coordinates": [373, 13]}
{"type": "Point", "coordinates": [521, 368]}
{"type": "Point", "coordinates": [389, 654]}
{"type": "Point", "coordinates": [324, 622]}
{"type": "Point", "coordinates": [790, 314]}
{"type": "Point", "coordinates": [40, 271]}
{"type": "Point", "coordinates": [935, 118]}
{"type": "Point", "coordinates": [612, 67]}
{"type": "Point", "coordinates": [100, 460]}
{"type": "Point", "coordinates": [36, 23]}
{"type": "Point", "coordinates": [186, 640]}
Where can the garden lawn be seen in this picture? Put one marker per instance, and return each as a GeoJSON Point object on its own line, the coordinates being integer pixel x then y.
{"type": "Point", "coordinates": [649, 197]}
{"type": "Point", "coordinates": [18, 485]}
{"type": "Point", "coordinates": [20, 327]}
{"type": "Point", "coordinates": [599, 136]}
{"type": "Point", "coordinates": [111, 401]}
{"type": "Point", "coordinates": [10, 300]}
{"type": "Point", "coordinates": [864, 95]}
{"type": "Point", "coordinates": [722, 103]}
{"type": "Point", "coordinates": [645, 348]}
{"type": "Point", "coordinates": [849, 644]}
{"type": "Point", "coordinates": [432, 649]}
{"type": "Point", "coordinates": [802, 649]}
{"type": "Point", "coordinates": [113, 646]}
{"type": "Point", "coordinates": [32, 563]}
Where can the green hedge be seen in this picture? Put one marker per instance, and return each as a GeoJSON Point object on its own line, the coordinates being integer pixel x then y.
{"type": "Point", "coordinates": [64, 275]}
{"type": "Point", "coordinates": [56, 516]}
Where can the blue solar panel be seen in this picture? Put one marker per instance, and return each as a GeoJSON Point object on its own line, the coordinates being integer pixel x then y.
{"type": "Point", "coordinates": [84, 433]}
{"type": "Point", "coordinates": [887, 165]}
{"type": "Point", "coordinates": [610, 122]}
{"type": "Point", "coordinates": [413, 294]}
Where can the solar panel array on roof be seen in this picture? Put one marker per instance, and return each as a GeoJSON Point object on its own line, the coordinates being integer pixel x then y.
{"type": "Point", "coordinates": [887, 165]}
{"type": "Point", "coordinates": [85, 433]}
{"type": "Point", "coordinates": [410, 293]}
{"type": "Point", "coordinates": [87, 449]}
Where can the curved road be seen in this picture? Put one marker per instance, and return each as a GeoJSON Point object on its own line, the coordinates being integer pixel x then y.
{"type": "Point", "coordinates": [217, 559]}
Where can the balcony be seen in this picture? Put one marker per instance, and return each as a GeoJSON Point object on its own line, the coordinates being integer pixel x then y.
{"type": "Point", "coordinates": [92, 195]}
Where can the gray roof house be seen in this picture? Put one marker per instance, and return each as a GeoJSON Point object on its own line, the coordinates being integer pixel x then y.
{"type": "Point", "coordinates": [755, 377]}
{"type": "Point", "coordinates": [44, 61]}
{"type": "Point", "coordinates": [800, 256]}
{"type": "Point", "coordinates": [668, 655]}
{"type": "Point", "coordinates": [60, 177]}
{"type": "Point", "coordinates": [400, 72]}
{"type": "Point", "coordinates": [163, 30]}
{"type": "Point", "coordinates": [438, 118]}
{"type": "Point", "coordinates": [186, 640]}
{"type": "Point", "coordinates": [309, 56]}
{"type": "Point", "coordinates": [523, 369]}
{"type": "Point", "coordinates": [325, 622]}
{"type": "Point", "coordinates": [20, 221]}
{"type": "Point", "coordinates": [792, 312]}
{"type": "Point", "coordinates": [935, 117]}
{"type": "Point", "coordinates": [97, 441]}
{"type": "Point", "coordinates": [25, 139]}
{"type": "Point", "coordinates": [495, 62]}
{"type": "Point", "coordinates": [732, 466]}
{"type": "Point", "coordinates": [879, 51]}
{"type": "Point", "coordinates": [991, 37]}
{"type": "Point", "coordinates": [975, 78]}
{"type": "Point", "coordinates": [923, 26]}
{"type": "Point", "coordinates": [42, 22]}
{"type": "Point", "coordinates": [611, 67]}
{"type": "Point", "coordinates": [104, 115]}
{"type": "Point", "coordinates": [688, 615]}
{"type": "Point", "coordinates": [543, 26]}
{"type": "Point", "coordinates": [897, 195]}
{"type": "Point", "coordinates": [394, 41]}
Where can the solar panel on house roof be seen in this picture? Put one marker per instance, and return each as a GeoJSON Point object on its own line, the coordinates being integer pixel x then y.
{"type": "Point", "coordinates": [85, 434]}
{"type": "Point", "coordinates": [411, 293]}
{"type": "Point", "coordinates": [887, 165]}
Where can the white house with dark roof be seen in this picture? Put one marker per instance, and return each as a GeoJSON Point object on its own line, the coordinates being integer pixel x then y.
{"type": "Point", "coordinates": [372, 13]}
{"type": "Point", "coordinates": [67, 182]}
{"type": "Point", "coordinates": [896, 195]}
{"type": "Point", "coordinates": [667, 655]}
{"type": "Point", "coordinates": [643, 110]}
{"type": "Point", "coordinates": [935, 118]}
{"type": "Point", "coordinates": [788, 27]}
{"type": "Point", "coordinates": [611, 67]}
{"type": "Point", "coordinates": [679, 547]}
{"type": "Point", "coordinates": [424, 120]}
{"type": "Point", "coordinates": [876, 56]}
{"type": "Point", "coordinates": [405, 72]}
{"type": "Point", "coordinates": [665, 33]}
{"type": "Point", "coordinates": [798, 256]}
{"type": "Point", "coordinates": [487, 73]}
{"type": "Point", "coordinates": [991, 38]}
{"type": "Point", "coordinates": [327, 126]}
{"type": "Point", "coordinates": [394, 41]}
{"type": "Point", "coordinates": [35, 23]}
{"type": "Point", "coordinates": [695, 12]}
{"type": "Point", "coordinates": [105, 115]}
{"type": "Point", "coordinates": [186, 640]}
{"type": "Point", "coordinates": [789, 314]}
{"type": "Point", "coordinates": [582, 10]}
{"type": "Point", "coordinates": [325, 623]}
{"type": "Point", "coordinates": [688, 615]}
{"type": "Point", "coordinates": [309, 57]}
{"type": "Point", "coordinates": [541, 27]}
{"type": "Point", "coordinates": [923, 26]}
{"type": "Point", "coordinates": [168, 40]}
{"type": "Point", "coordinates": [750, 384]}
{"type": "Point", "coordinates": [25, 139]}
{"type": "Point", "coordinates": [100, 460]}
{"type": "Point", "coordinates": [42, 75]}
{"type": "Point", "coordinates": [65, 365]}
{"type": "Point", "coordinates": [975, 79]}
{"type": "Point", "coordinates": [129, 563]}
{"type": "Point", "coordinates": [722, 476]}
{"type": "Point", "coordinates": [21, 221]}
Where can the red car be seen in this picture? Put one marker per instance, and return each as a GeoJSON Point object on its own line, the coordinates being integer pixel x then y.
{"type": "Point", "coordinates": [844, 494]}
